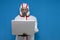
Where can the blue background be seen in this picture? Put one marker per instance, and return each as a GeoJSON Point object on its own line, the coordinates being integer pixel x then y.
{"type": "Point", "coordinates": [46, 11]}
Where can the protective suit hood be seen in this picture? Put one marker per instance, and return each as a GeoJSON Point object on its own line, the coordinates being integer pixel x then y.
{"type": "Point", "coordinates": [24, 5]}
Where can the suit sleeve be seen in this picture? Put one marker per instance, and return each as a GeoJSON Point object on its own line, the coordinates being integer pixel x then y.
{"type": "Point", "coordinates": [36, 28]}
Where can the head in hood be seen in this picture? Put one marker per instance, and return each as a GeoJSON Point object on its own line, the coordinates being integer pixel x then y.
{"type": "Point", "coordinates": [24, 10]}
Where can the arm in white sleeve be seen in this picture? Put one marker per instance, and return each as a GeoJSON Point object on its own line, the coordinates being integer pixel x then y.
{"type": "Point", "coordinates": [36, 28]}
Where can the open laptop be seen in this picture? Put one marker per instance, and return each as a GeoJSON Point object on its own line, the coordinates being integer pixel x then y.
{"type": "Point", "coordinates": [20, 27]}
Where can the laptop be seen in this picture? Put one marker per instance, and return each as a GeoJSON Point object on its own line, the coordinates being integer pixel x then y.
{"type": "Point", "coordinates": [20, 27]}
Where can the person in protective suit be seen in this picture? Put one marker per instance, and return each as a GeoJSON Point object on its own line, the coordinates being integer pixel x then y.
{"type": "Point", "coordinates": [25, 15]}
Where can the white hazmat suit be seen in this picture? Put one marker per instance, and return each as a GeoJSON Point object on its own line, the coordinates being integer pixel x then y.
{"type": "Point", "coordinates": [26, 18]}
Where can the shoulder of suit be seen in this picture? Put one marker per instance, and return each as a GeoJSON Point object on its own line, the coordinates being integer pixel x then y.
{"type": "Point", "coordinates": [18, 16]}
{"type": "Point", "coordinates": [33, 17]}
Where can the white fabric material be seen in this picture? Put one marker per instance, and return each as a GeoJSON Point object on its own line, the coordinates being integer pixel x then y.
{"type": "Point", "coordinates": [24, 38]}
{"type": "Point", "coordinates": [24, 5]}
{"type": "Point", "coordinates": [19, 18]}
